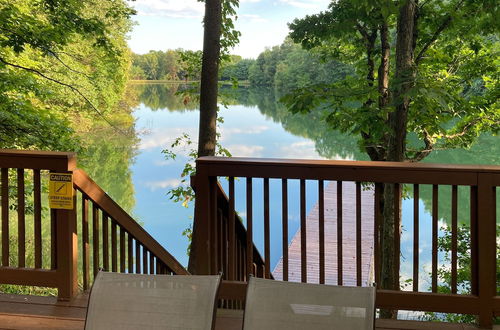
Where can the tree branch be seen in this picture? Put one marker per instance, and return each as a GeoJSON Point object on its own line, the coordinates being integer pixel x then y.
{"type": "Point", "coordinates": [421, 154]}
{"type": "Point", "coordinates": [436, 34]}
{"type": "Point", "coordinates": [363, 31]}
{"type": "Point", "coordinates": [466, 129]}
{"type": "Point", "coordinates": [72, 88]}
{"type": "Point", "coordinates": [66, 65]}
{"type": "Point", "coordinates": [376, 153]}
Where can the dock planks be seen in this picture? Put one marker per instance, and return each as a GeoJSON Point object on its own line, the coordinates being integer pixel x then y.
{"type": "Point", "coordinates": [348, 239]}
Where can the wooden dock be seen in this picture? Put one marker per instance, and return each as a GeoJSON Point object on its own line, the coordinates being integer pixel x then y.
{"type": "Point", "coordinates": [348, 239]}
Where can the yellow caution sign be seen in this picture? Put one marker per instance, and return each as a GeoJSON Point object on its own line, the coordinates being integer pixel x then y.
{"type": "Point", "coordinates": [61, 191]}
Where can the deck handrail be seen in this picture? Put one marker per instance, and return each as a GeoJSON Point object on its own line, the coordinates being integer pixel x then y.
{"type": "Point", "coordinates": [87, 186]}
{"type": "Point", "coordinates": [114, 241]}
{"type": "Point", "coordinates": [481, 182]}
{"type": "Point", "coordinates": [223, 204]}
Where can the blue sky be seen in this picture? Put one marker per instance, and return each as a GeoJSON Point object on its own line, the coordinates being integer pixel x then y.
{"type": "Point", "coordinates": [171, 24]}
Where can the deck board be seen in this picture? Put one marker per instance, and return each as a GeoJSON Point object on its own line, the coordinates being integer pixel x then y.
{"type": "Point", "coordinates": [348, 239]}
{"type": "Point", "coordinates": [43, 313]}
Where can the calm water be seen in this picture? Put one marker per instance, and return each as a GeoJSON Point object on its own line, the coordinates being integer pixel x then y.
{"type": "Point", "coordinates": [255, 125]}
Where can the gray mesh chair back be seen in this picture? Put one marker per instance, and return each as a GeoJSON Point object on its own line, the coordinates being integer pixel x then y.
{"type": "Point", "coordinates": [133, 301]}
{"type": "Point", "coordinates": [277, 305]}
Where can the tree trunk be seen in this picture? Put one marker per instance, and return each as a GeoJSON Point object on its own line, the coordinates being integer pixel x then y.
{"type": "Point", "coordinates": [208, 109]}
{"type": "Point", "coordinates": [209, 78]}
{"type": "Point", "coordinates": [405, 77]}
{"type": "Point", "coordinates": [383, 69]}
{"type": "Point", "coordinates": [390, 230]}
{"type": "Point", "coordinates": [389, 233]}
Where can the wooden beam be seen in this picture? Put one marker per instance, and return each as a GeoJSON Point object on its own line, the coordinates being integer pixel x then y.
{"type": "Point", "coordinates": [24, 276]}
{"type": "Point", "coordinates": [40, 160]}
{"type": "Point", "coordinates": [427, 302]}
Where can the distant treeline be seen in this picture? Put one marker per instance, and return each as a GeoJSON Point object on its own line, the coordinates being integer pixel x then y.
{"type": "Point", "coordinates": [283, 67]}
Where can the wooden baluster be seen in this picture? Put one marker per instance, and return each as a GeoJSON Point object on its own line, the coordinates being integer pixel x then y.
{"type": "Point", "coordinates": [267, 232]}
{"type": "Point", "coordinates": [158, 268]}
{"type": "Point", "coordinates": [144, 260]}
{"type": "Point", "coordinates": [241, 261]}
{"type": "Point", "coordinates": [114, 248]}
{"type": "Point", "coordinates": [238, 262]}
{"type": "Point", "coordinates": [21, 220]}
{"type": "Point", "coordinates": [249, 252]}
{"type": "Point", "coordinates": [95, 237]}
{"type": "Point", "coordinates": [359, 237]}
{"type": "Point", "coordinates": [473, 240]}
{"type": "Point", "coordinates": [53, 240]}
{"type": "Point", "coordinates": [5, 217]}
{"type": "Point", "coordinates": [151, 263]}
{"type": "Point", "coordinates": [85, 241]}
{"type": "Point", "coordinates": [339, 234]}
{"type": "Point", "coordinates": [454, 235]}
{"type": "Point", "coordinates": [225, 246]}
{"type": "Point", "coordinates": [37, 217]}
{"type": "Point", "coordinates": [137, 257]}
{"type": "Point", "coordinates": [220, 243]}
{"type": "Point", "coordinates": [397, 228]}
{"type": "Point", "coordinates": [435, 229]}
{"type": "Point", "coordinates": [245, 265]}
{"type": "Point", "coordinates": [416, 235]}
{"type": "Point", "coordinates": [284, 215]}
{"type": "Point", "coordinates": [376, 231]}
{"type": "Point", "coordinates": [130, 254]}
{"type": "Point", "coordinates": [321, 228]}
{"type": "Point", "coordinates": [232, 264]}
{"type": "Point", "coordinates": [303, 237]}
{"type": "Point", "coordinates": [122, 250]}
{"type": "Point", "coordinates": [214, 227]}
{"type": "Point", "coordinates": [105, 241]}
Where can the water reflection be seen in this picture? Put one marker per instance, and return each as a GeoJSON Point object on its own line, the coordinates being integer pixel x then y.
{"type": "Point", "coordinates": [132, 169]}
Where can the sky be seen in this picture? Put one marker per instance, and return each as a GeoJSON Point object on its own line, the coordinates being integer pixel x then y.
{"type": "Point", "coordinates": [172, 24]}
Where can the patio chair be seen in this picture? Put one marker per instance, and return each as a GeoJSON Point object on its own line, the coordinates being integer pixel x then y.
{"type": "Point", "coordinates": [133, 301]}
{"type": "Point", "coordinates": [278, 305]}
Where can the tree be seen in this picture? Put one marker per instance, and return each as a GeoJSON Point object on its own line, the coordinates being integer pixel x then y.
{"type": "Point", "coordinates": [417, 67]}
{"type": "Point", "coordinates": [62, 62]}
{"type": "Point", "coordinates": [218, 23]}
{"type": "Point", "coordinates": [190, 64]}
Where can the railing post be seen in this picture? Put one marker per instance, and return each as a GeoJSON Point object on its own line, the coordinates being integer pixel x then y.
{"type": "Point", "coordinates": [67, 252]}
{"type": "Point", "coordinates": [200, 258]}
{"type": "Point", "coordinates": [486, 224]}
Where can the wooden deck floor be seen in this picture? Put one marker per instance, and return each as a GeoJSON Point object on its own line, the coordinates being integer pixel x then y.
{"type": "Point", "coordinates": [348, 239]}
{"type": "Point", "coordinates": [37, 313]}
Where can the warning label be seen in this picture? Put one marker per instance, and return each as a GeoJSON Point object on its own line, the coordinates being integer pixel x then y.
{"type": "Point", "coordinates": [61, 191]}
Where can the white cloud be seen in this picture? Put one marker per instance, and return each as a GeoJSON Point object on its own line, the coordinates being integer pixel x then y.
{"type": "Point", "coordinates": [244, 130]}
{"type": "Point", "coordinates": [168, 183]}
{"type": "Point", "coordinates": [252, 18]}
{"type": "Point", "coordinates": [302, 150]}
{"type": "Point", "coordinates": [170, 8]}
{"type": "Point", "coordinates": [307, 4]}
{"type": "Point", "coordinates": [240, 150]}
{"type": "Point", "coordinates": [163, 162]}
{"type": "Point", "coordinates": [164, 138]}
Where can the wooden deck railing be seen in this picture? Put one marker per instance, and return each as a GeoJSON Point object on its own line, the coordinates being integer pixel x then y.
{"type": "Point", "coordinates": [480, 184]}
{"type": "Point", "coordinates": [45, 251]}
{"type": "Point", "coordinates": [226, 225]}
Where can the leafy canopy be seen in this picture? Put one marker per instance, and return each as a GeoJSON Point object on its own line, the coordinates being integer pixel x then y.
{"type": "Point", "coordinates": [454, 79]}
{"type": "Point", "coordinates": [62, 63]}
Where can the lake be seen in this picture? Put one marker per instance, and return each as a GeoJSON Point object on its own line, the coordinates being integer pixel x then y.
{"type": "Point", "coordinates": [133, 170]}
